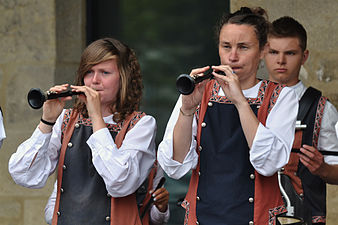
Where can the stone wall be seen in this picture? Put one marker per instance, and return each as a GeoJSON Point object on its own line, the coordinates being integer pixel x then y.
{"type": "Point", "coordinates": [319, 19]}
{"type": "Point", "coordinates": [40, 45]}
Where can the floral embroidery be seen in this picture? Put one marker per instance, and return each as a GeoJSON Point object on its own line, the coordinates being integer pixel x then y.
{"type": "Point", "coordinates": [274, 212]}
{"type": "Point", "coordinates": [258, 100]}
{"type": "Point", "coordinates": [318, 120]}
{"type": "Point", "coordinates": [111, 127]}
{"type": "Point", "coordinates": [318, 219]}
{"type": "Point", "coordinates": [186, 205]}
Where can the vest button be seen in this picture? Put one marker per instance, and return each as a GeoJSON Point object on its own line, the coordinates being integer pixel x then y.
{"type": "Point", "coordinates": [200, 148]}
{"type": "Point", "coordinates": [107, 218]}
{"type": "Point", "coordinates": [251, 200]}
{"type": "Point", "coordinates": [251, 223]}
{"type": "Point", "coordinates": [108, 195]}
{"type": "Point", "coordinates": [64, 167]}
{"type": "Point", "coordinates": [58, 213]}
{"type": "Point", "coordinates": [252, 176]}
{"type": "Point", "coordinates": [282, 169]}
{"type": "Point", "coordinates": [198, 198]}
{"type": "Point", "coordinates": [70, 144]}
{"type": "Point", "coordinates": [197, 223]}
{"type": "Point", "coordinates": [210, 104]}
{"type": "Point", "coordinates": [203, 124]}
{"type": "Point", "coordinates": [199, 173]}
{"type": "Point", "coordinates": [77, 125]}
{"type": "Point", "coordinates": [301, 195]}
{"type": "Point", "coordinates": [61, 190]}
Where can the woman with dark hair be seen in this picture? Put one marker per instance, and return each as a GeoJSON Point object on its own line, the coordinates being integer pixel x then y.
{"type": "Point", "coordinates": [103, 146]}
{"type": "Point", "coordinates": [234, 132]}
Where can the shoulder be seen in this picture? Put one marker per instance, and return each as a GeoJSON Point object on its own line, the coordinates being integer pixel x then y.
{"type": "Point", "coordinates": [329, 109]}
{"type": "Point", "coordinates": [272, 89]}
{"type": "Point", "coordinates": [274, 85]}
{"type": "Point", "coordinates": [314, 92]}
{"type": "Point", "coordinates": [141, 118]}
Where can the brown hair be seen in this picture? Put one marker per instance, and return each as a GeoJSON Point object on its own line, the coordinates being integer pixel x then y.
{"type": "Point", "coordinates": [130, 92]}
{"type": "Point", "coordinates": [255, 17]}
{"type": "Point", "coordinates": [289, 27]}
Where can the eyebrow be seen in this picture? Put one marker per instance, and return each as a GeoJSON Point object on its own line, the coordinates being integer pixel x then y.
{"type": "Point", "coordinates": [288, 50]}
{"type": "Point", "coordinates": [240, 43]}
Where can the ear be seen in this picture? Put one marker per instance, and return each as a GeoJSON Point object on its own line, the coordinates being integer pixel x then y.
{"type": "Point", "coordinates": [264, 51]}
{"type": "Point", "coordinates": [305, 56]}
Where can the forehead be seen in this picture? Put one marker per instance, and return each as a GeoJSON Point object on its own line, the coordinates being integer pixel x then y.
{"type": "Point", "coordinates": [110, 63]}
{"type": "Point", "coordinates": [284, 43]}
{"type": "Point", "coordinates": [238, 33]}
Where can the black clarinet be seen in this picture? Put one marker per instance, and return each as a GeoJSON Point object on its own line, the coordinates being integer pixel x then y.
{"type": "Point", "coordinates": [185, 83]}
{"type": "Point", "coordinates": [36, 97]}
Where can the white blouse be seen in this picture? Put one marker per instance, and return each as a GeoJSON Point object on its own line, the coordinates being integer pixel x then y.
{"type": "Point", "coordinates": [123, 170]}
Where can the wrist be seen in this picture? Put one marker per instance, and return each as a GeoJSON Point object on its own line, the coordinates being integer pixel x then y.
{"type": "Point", "coordinates": [47, 122]}
{"type": "Point", "coordinates": [98, 123]}
{"type": "Point", "coordinates": [324, 172]}
{"type": "Point", "coordinates": [162, 209]}
{"type": "Point", "coordinates": [190, 112]}
{"type": "Point", "coordinates": [242, 104]}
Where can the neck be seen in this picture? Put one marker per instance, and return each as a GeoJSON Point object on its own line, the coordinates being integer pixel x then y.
{"type": "Point", "coordinates": [293, 83]}
{"type": "Point", "coordinates": [249, 83]}
{"type": "Point", "coordinates": [106, 111]}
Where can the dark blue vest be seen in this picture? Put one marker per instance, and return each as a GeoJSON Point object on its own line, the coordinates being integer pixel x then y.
{"type": "Point", "coordinates": [226, 184]}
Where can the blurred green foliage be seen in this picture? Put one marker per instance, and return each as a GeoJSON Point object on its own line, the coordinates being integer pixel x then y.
{"type": "Point", "coordinates": [170, 38]}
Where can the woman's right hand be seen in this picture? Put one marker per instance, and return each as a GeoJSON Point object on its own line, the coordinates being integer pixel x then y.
{"type": "Point", "coordinates": [52, 108]}
{"type": "Point", "coordinates": [190, 102]}
{"type": "Point", "coordinates": [161, 199]}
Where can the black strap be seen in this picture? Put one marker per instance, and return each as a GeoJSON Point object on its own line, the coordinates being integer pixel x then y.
{"type": "Point", "coordinates": [305, 103]}
{"type": "Point", "coordinates": [323, 152]}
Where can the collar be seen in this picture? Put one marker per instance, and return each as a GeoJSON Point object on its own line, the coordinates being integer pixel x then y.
{"type": "Point", "coordinates": [299, 89]}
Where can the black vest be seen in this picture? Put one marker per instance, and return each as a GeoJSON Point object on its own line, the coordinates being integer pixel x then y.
{"type": "Point", "coordinates": [84, 198]}
{"type": "Point", "coordinates": [314, 187]}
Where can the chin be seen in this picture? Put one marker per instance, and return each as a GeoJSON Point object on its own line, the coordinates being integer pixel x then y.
{"type": "Point", "coordinates": [280, 78]}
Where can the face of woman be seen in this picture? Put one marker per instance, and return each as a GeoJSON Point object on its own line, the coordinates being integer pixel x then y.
{"type": "Point", "coordinates": [239, 48]}
{"type": "Point", "coordinates": [104, 78]}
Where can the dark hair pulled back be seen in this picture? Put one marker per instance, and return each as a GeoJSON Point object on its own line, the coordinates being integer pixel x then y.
{"type": "Point", "coordinates": [255, 17]}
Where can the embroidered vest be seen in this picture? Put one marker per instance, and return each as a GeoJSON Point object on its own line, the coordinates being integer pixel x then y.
{"type": "Point", "coordinates": [81, 194]}
{"type": "Point", "coordinates": [224, 187]}
{"type": "Point", "coordinates": [311, 188]}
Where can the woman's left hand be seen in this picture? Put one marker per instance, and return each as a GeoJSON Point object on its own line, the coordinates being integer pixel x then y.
{"type": "Point", "coordinates": [230, 84]}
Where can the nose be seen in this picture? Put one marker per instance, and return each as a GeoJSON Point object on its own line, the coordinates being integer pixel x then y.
{"type": "Point", "coordinates": [96, 78]}
{"type": "Point", "coordinates": [233, 57]}
{"type": "Point", "coordinates": [281, 59]}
